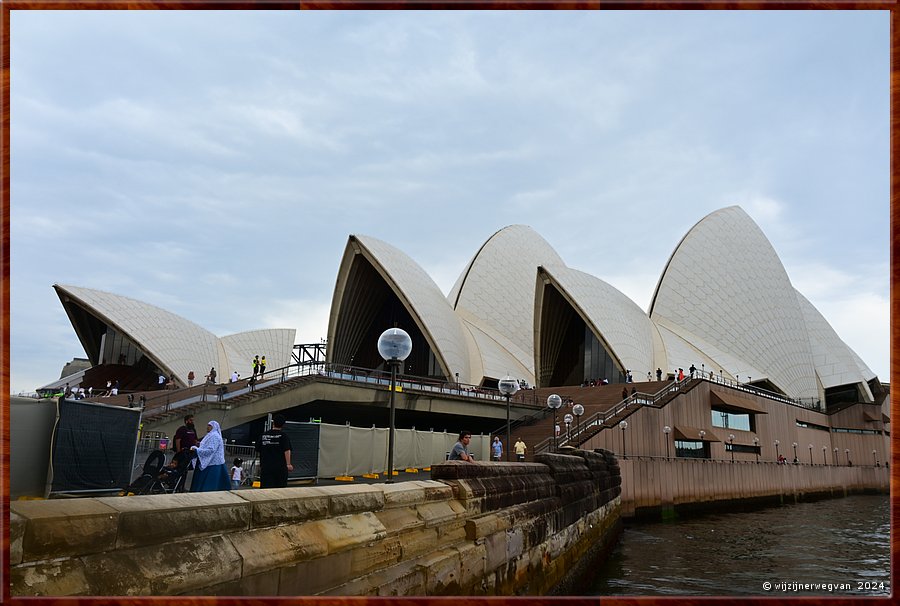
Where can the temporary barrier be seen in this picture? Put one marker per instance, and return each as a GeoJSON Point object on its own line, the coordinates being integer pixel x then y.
{"type": "Point", "coordinates": [93, 447]}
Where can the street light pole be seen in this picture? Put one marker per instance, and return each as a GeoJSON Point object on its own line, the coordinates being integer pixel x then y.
{"type": "Point", "coordinates": [777, 454]}
{"type": "Point", "coordinates": [810, 454]}
{"type": "Point", "coordinates": [578, 410]}
{"type": "Point", "coordinates": [508, 387]}
{"type": "Point", "coordinates": [796, 460]}
{"type": "Point", "coordinates": [756, 444]}
{"type": "Point", "coordinates": [874, 459]}
{"type": "Point", "coordinates": [834, 458]}
{"type": "Point", "coordinates": [825, 456]}
{"type": "Point", "coordinates": [731, 443]}
{"type": "Point", "coordinates": [554, 402]}
{"type": "Point", "coordinates": [623, 425]}
{"type": "Point", "coordinates": [567, 419]}
{"type": "Point", "coordinates": [847, 452]}
{"type": "Point", "coordinates": [666, 431]}
{"type": "Point", "coordinates": [394, 346]}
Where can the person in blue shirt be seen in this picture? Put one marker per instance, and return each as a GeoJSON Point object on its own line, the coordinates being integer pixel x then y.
{"type": "Point", "coordinates": [497, 449]}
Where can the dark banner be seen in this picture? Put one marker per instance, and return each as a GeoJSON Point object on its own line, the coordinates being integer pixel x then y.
{"type": "Point", "coordinates": [305, 449]}
{"type": "Point", "coordinates": [93, 446]}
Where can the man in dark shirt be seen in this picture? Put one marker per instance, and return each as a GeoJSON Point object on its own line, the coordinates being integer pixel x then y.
{"type": "Point", "coordinates": [274, 455]}
{"type": "Point", "coordinates": [185, 437]}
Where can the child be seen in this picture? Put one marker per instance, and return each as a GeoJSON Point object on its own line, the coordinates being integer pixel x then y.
{"type": "Point", "coordinates": [236, 472]}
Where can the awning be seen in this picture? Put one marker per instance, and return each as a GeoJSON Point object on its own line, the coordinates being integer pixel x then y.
{"type": "Point", "coordinates": [872, 416]}
{"type": "Point", "coordinates": [684, 432]}
{"type": "Point", "coordinates": [731, 402]}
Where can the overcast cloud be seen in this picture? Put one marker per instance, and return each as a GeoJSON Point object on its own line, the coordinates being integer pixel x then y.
{"type": "Point", "coordinates": [214, 163]}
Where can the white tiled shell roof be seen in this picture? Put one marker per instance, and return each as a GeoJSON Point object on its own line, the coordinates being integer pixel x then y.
{"type": "Point", "coordinates": [725, 284]}
{"type": "Point", "coordinates": [496, 290]}
{"type": "Point", "coordinates": [496, 361]}
{"type": "Point", "coordinates": [620, 322]}
{"type": "Point", "coordinates": [275, 344]}
{"type": "Point", "coordinates": [835, 362]}
{"type": "Point", "coordinates": [177, 344]}
{"type": "Point", "coordinates": [426, 303]}
{"type": "Point", "coordinates": [704, 356]}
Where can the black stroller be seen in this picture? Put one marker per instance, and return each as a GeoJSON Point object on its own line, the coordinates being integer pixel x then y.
{"type": "Point", "coordinates": [159, 478]}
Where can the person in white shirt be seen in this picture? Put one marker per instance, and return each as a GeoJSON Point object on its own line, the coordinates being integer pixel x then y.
{"type": "Point", "coordinates": [237, 471]}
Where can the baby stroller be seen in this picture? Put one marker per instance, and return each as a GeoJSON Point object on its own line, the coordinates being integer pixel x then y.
{"type": "Point", "coordinates": [158, 478]}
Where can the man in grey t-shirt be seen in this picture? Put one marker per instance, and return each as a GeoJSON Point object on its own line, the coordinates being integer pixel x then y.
{"type": "Point", "coordinates": [460, 450]}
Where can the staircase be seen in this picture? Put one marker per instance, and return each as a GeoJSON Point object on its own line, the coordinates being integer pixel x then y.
{"type": "Point", "coordinates": [604, 407]}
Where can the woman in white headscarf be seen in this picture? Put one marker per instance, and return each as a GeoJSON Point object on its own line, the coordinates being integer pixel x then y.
{"type": "Point", "coordinates": [211, 473]}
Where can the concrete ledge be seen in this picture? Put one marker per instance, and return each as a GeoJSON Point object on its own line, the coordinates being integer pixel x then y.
{"type": "Point", "coordinates": [343, 500]}
{"type": "Point", "coordinates": [166, 569]}
{"type": "Point", "coordinates": [16, 534]}
{"type": "Point", "coordinates": [272, 506]}
{"type": "Point", "coordinates": [50, 578]}
{"type": "Point", "coordinates": [271, 548]}
{"type": "Point", "coordinates": [403, 494]}
{"type": "Point", "coordinates": [59, 528]}
{"type": "Point", "coordinates": [347, 532]}
{"type": "Point", "coordinates": [151, 519]}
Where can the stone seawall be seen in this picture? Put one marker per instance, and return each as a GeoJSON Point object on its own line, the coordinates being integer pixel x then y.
{"type": "Point", "coordinates": [474, 529]}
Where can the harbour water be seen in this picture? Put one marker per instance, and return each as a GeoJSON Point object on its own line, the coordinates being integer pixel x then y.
{"type": "Point", "coordinates": [831, 547]}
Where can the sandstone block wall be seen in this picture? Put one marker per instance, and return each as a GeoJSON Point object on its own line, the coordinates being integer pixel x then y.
{"type": "Point", "coordinates": [475, 529]}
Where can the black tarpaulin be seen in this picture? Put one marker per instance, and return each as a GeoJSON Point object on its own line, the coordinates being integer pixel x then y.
{"type": "Point", "coordinates": [93, 446]}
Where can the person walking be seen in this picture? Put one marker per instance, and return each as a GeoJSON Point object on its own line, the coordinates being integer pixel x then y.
{"type": "Point", "coordinates": [274, 449]}
{"type": "Point", "coordinates": [255, 365]}
{"type": "Point", "coordinates": [497, 449]}
{"type": "Point", "coordinates": [211, 474]}
{"type": "Point", "coordinates": [659, 374]}
{"type": "Point", "coordinates": [460, 450]}
{"type": "Point", "coordinates": [211, 377]}
{"type": "Point", "coordinates": [520, 449]}
{"type": "Point", "coordinates": [191, 379]}
{"type": "Point", "coordinates": [184, 442]}
{"type": "Point", "coordinates": [262, 367]}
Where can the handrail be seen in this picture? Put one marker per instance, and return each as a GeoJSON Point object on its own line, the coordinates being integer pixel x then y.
{"type": "Point", "coordinates": [179, 398]}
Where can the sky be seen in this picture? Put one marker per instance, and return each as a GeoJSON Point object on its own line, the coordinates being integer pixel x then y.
{"type": "Point", "coordinates": [214, 163]}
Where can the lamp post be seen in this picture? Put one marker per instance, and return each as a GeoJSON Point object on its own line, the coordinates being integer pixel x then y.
{"type": "Point", "coordinates": [756, 445]}
{"type": "Point", "coordinates": [702, 439]}
{"type": "Point", "coordinates": [825, 455]}
{"type": "Point", "coordinates": [578, 410]}
{"type": "Point", "coordinates": [666, 431]}
{"type": "Point", "coordinates": [553, 403]}
{"type": "Point", "coordinates": [874, 460]}
{"type": "Point", "coordinates": [731, 443]}
{"type": "Point", "coordinates": [394, 345]}
{"type": "Point", "coordinates": [810, 454]}
{"type": "Point", "coordinates": [847, 452]}
{"type": "Point", "coordinates": [567, 419]}
{"type": "Point", "coordinates": [508, 387]}
{"type": "Point", "coordinates": [795, 453]}
{"type": "Point", "coordinates": [777, 454]}
{"type": "Point", "coordinates": [623, 425]}
{"type": "Point", "coordinates": [834, 459]}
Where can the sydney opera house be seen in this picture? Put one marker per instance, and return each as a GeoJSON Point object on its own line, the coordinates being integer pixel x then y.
{"type": "Point", "coordinates": [723, 304]}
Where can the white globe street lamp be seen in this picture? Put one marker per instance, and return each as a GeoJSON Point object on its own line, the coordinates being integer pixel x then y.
{"type": "Point", "coordinates": [394, 345]}
{"type": "Point", "coordinates": [667, 430]}
{"type": "Point", "coordinates": [554, 402]}
{"type": "Point", "coordinates": [578, 410]}
{"type": "Point", "coordinates": [508, 387]}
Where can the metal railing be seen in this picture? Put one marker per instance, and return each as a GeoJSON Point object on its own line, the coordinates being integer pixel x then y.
{"type": "Point", "coordinates": [172, 401]}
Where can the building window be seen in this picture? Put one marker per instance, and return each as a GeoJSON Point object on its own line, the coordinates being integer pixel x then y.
{"type": "Point", "coordinates": [742, 448]}
{"type": "Point", "coordinates": [861, 431]}
{"type": "Point", "coordinates": [692, 449]}
{"type": "Point", "coordinates": [811, 425]}
{"type": "Point", "coordinates": [730, 420]}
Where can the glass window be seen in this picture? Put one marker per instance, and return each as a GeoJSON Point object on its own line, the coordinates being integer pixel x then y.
{"type": "Point", "coordinates": [694, 449]}
{"type": "Point", "coordinates": [730, 420]}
